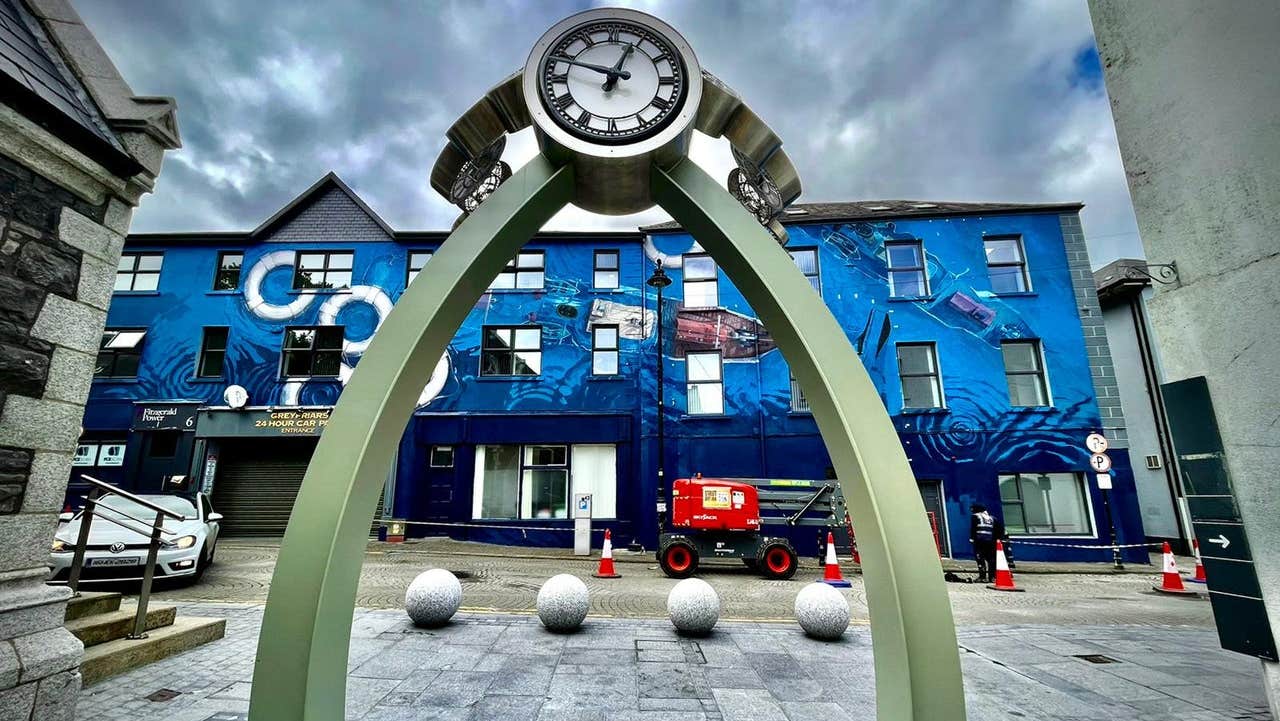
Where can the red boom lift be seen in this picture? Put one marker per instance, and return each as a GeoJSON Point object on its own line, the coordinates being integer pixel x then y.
{"type": "Point", "coordinates": [721, 518]}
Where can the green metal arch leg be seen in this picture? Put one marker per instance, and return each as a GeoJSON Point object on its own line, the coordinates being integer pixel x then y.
{"type": "Point", "coordinates": [917, 663]}
{"type": "Point", "coordinates": [301, 667]}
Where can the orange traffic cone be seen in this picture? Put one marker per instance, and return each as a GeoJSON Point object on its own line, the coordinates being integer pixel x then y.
{"type": "Point", "coordinates": [606, 569]}
{"type": "Point", "coordinates": [1199, 577]}
{"type": "Point", "coordinates": [1004, 577]}
{"type": "Point", "coordinates": [831, 567]}
{"type": "Point", "coordinates": [1172, 582]}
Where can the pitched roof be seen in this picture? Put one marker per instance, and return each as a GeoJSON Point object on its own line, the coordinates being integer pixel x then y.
{"type": "Point", "coordinates": [891, 209]}
{"type": "Point", "coordinates": [330, 183]}
{"type": "Point", "coordinates": [36, 81]}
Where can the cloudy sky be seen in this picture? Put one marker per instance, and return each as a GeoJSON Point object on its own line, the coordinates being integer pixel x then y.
{"type": "Point", "coordinates": [874, 100]}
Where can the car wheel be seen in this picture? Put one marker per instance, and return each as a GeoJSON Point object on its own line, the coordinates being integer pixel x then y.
{"type": "Point", "coordinates": [202, 565]}
{"type": "Point", "coordinates": [778, 560]}
{"type": "Point", "coordinates": [678, 559]}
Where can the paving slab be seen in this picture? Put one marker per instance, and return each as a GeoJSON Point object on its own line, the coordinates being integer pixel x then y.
{"type": "Point", "coordinates": [486, 666]}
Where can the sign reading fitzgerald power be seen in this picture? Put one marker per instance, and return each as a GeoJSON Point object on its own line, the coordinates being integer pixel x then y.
{"type": "Point", "coordinates": [1233, 584]}
{"type": "Point", "coordinates": [263, 422]}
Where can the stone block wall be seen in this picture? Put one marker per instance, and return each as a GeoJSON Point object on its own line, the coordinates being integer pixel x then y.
{"type": "Point", "coordinates": [1095, 331]}
{"type": "Point", "coordinates": [57, 263]}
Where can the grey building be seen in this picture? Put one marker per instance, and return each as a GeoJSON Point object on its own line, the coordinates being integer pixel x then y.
{"type": "Point", "coordinates": [1124, 289]}
{"type": "Point", "coordinates": [77, 151]}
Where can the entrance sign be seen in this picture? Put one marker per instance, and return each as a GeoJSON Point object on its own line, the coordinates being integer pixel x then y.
{"type": "Point", "coordinates": [1234, 590]}
{"type": "Point", "coordinates": [613, 124]}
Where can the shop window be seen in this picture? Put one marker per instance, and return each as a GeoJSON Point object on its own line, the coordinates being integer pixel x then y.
{"type": "Point", "coordinates": [1045, 504]}
{"type": "Point", "coordinates": [441, 457]}
{"type": "Point", "coordinates": [526, 271]}
{"type": "Point", "coordinates": [323, 270]}
{"type": "Point", "coordinates": [806, 259]}
{"type": "Point", "coordinates": [919, 375]}
{"type": "Point", "coordinates": [799, 404]}
{"type": "Point", "coordinates": [138, 272]}
{"type": "Point", "coordinates": [417, 261]}
{"type": "Point", "coordinates": [606, 270]}
{"type": "Point", "coordinates": [604, 350]}
{"type": "Point", "coordinates": [213, 352]}
{"type": "Point", "coordinates": [1006, 265]}
{"type": "Point", "coordinates": [1024, 373]}
{"type": "Point", "coordinates": [227, 277]}
{"type": "Point", "coordinates": [119, 353]}
{"type": "Point", "coordinates": [511, 351]}
{"type": "Point", "coordinates": [313, 352]}
{"type": "Point", "coordinates": [704, 384]}
{"type": "Point", "coordinates": [539, 481]}
{"type": "Point", "coordinates": [700, 281]}
{"type": "Point", "coordinates": [907, 276]}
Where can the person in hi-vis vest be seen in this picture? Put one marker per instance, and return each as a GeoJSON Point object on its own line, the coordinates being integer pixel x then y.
{"type": "Point", "coordinates": [982, 534]}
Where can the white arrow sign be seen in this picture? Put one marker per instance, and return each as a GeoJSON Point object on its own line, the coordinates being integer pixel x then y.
{"type": "Point", "coordinates": [1221, 540]}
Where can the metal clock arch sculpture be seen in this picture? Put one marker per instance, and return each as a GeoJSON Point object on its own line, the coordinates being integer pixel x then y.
{"type": "Point", "coordinates": [611, 147]}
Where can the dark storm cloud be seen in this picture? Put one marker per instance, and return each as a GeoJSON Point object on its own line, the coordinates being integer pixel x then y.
{"type": "Point", "coordinates": [968, 101]}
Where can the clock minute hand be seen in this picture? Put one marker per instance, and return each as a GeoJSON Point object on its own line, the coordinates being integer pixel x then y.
{"type": "Point", "coordinates": [612, 81]}
{"type": "Point", "coordinates": [623, 74]}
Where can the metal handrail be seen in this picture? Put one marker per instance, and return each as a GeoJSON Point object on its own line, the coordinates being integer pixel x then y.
{"type": "Point", "coordinates": [103, 485]}
{"type": "Point", "coordinates": [91, 502]}
{"type": "Point", "coordinates": [113, 509]}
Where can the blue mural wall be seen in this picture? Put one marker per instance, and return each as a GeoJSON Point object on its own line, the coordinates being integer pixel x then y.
{"type": "Point", "coordinates": [964, 447]}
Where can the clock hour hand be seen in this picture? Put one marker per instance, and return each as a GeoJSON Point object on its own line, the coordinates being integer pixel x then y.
{"type": "Point", "coordinates": [610, 72]}
{"type": "Point", "coordinates": [612, 80]}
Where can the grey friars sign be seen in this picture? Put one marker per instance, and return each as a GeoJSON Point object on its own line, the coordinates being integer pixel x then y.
{"type": "Point", "coordinates": [266, 422]}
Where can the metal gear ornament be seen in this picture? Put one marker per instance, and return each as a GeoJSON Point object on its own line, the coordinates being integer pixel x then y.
{"type": "Point", "coordinates": [480, 176]}
{"type": "Point", "coordinates": [752, 186]}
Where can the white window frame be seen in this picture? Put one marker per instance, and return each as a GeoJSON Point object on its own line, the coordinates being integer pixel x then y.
{"type": "Point", "coordinates": [922, 269]}
{"type": "Point", "coordinates": [936, 375]}
{"type": "Point", "coordinates": [1088, 506]}
{"type": "Point", "coordinates": [603, 488]}
{"type": "Point", "coordinates": [1022, 263]}
{"type": "Point", "coordinates": [718, 381]}
{"type": "Point", "coordinates": [1042, 372]}
{"type": "Point", "coordinates": [685, 281]}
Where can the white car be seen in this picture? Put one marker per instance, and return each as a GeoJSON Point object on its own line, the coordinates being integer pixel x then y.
{"type": "Point", "coordinates": [115, 553]}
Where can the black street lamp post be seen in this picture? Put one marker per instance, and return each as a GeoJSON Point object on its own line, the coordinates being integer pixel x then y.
{"type": "Point", "coordinates": [660, 281]}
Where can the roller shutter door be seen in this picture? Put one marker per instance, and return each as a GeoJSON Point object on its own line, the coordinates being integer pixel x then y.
{"type": "Point", "coordinates": [256, 485]}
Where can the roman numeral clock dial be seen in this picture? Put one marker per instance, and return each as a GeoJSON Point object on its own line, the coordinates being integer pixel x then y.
{"type": "Point", "coordinates": [612, 81]}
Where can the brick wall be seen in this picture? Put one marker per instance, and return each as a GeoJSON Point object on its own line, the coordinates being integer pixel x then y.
{"type": "Point", "coordinates": [1095, 331]}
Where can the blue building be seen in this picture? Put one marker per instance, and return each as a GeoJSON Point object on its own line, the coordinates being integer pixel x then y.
{"type": "Point", "coordinates": [225, 352]}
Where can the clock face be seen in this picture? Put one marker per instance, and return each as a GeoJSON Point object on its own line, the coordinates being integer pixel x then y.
{"type": "Point", "coordinates": [612, 81]}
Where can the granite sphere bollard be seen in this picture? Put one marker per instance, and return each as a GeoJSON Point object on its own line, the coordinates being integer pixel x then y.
{"type": "Point", "coordinates": [693, 606]}
{"type": "Point", "coordinates": [433, 597]}
{"type": "Point", "coordinates": [823, 612]}
{"type": "Point", "coordinates": [563, 603]}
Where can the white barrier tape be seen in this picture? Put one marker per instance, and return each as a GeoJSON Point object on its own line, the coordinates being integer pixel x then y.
{"type": "Point", "coordinates": [1075, 545]}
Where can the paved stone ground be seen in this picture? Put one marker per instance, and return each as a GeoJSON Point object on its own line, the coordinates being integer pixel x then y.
{"type": "Point", "coordinates": [502, 579]}
{"type": "Point", "coordinates": [505, 667]}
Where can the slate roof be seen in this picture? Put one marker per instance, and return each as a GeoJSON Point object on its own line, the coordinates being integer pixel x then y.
{"type": "Point", "coordinates": [892, 209]}
{"type": "Point", "coordinates": [35, 80]}
{"type": "Point", "coordinates": [326, 208]}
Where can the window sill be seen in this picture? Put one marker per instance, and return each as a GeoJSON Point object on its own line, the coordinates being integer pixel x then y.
{"type": "Point", "coordinates": [200, 379]}
{"type": "Point", "coordinates": [1032, 409]}
{"type": "Point", "coordinates": [307, 379]}
{"type": "Point", "coordinates": [108, 379]}
{"type": "Point", "coordinates": [705, 417]}
{"type": "Point", "coordinates": [607, 378]}
{"type": "Point", "coordinates": [224, 292]}
{"type": "Point", "coordinates": [319, 291]}
{"type": "Point", "coordinates": [1017, 294]}
{"type": "Point", "coordinates": [135, 292]}
{"type": "Point", "coordinates": [608, 291]}
{"type": "Point", "coordinates": [924, 411]}
{"type": "Point", "coordinates": [911, 298]}
{"type": "Point", "coordinates": [1059, 536]}
{"type": "Point", "coordinates": [508, 291]}
{"type": "Point", "coordinates": [800, 414]}
{"type": "Point", "coordinates": [507, 379]}
{"type": "Point", "coordinates": [700, 308]}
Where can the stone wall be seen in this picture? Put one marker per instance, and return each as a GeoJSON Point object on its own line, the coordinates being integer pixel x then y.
{"type": "Point", "coordinates": [1095, 331]}
{"type": "Point", "coordinates": [57, 264]}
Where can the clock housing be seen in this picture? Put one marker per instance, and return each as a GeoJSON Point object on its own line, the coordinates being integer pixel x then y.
{"type": "Point", "coordinates": [612, 127]}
